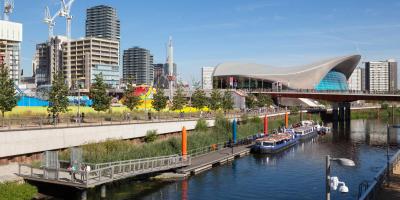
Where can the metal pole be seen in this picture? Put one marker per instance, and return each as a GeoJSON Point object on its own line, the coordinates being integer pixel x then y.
{"type": "Point", "coordinates": [327, 177]}
{"type": "Point", "coordinates": [387, 155]}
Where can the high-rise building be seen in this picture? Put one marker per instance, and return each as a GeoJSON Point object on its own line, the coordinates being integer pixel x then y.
{"type": "Point", "coordinates": [355, 80]}
{"type": "Point", "coordinates": [91, 56]}
{"type": "Point", "coordinates": [48, 60]}
{"type": "Point", "coordinates": [159, 75]}
{"type": "Point", "coordinates": [102, 21]}
{"type": "Point", "coordinates": [10, 47]}
{"type": "Point", "coordinates": [138, 66]}
{"type": "Point", "coordinates": [392, 75]}
{"type": "Point", "coordinates": [381, 76]}
{"type": "Point", "coordinates": [206, 78]}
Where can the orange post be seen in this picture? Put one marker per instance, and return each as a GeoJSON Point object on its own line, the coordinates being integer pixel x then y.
{"type": "Point", "coordinates": [184, 143]}
{"type": "Point", "coordinates": [266, 125]}
{"type": "Point", "coordinates": [286, 120]}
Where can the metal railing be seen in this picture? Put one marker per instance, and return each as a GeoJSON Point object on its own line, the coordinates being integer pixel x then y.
{"type": "Point", "coordinates": [322, 91]}
{"type": "Point", "coordinates": [379, 178]}
{"type": "Point", "coordinates": [105, 172]}
{"type": "Point", "coordinates": [25, 123]}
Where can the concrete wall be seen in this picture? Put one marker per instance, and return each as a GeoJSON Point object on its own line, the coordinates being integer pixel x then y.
{"type": "Point", "coordinates": [14, 143]}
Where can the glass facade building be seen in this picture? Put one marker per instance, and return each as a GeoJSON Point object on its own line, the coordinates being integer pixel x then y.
{"type": "Point", "coordinates": [333, 80]}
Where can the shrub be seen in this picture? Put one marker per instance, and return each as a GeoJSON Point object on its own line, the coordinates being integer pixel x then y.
{"type": "Point", "coordinates": [222, 125]}
{"type": "Point", "coordinates": [201, 125]}
{"type": "Point", "coordinates": [244, 119]}
{"type": "Point", "coordinates": [15, 191]}
{"type": "Point", "coordinates": [151, 136]}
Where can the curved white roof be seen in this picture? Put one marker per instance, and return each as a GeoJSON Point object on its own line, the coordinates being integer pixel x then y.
{"type": "Point", "coordinates": [302, 77]}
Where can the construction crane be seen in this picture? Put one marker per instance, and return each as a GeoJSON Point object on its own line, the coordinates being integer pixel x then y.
{"type": "Point", "coordinates": [8, 9]}
{"type": "Point", "coordinates": [66, 12]}
{"type": "Point", "coordinates": [49, 20]}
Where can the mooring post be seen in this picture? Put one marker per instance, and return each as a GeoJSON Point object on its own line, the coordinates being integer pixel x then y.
{"type": "Point", "coordinates": [103, 191]}
{"type": "Point", "coordinates": [286, 120]}
{"type": "Point", "coordinates": [266, 125]}
{"type": "Point", "coordinates": [184, 143]}
{"type": "Point", "coordinates": [234, 131]}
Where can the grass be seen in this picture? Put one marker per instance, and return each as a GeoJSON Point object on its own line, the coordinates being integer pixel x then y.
{"type": "Point", "coordinates": [16, 191]}
{"type": "Point", "coordinates": [114, 150]}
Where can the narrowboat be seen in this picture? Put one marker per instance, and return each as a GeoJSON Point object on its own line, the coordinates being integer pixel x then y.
{"type": "Point", "coordinates": [274, 143]}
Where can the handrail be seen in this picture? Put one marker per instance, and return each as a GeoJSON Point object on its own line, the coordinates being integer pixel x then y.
{"type": "Point", "coordinates": [379, 178]}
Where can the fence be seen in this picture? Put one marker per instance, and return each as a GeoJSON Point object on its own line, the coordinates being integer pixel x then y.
{"type": "Point", "coordinates": [372, 191]}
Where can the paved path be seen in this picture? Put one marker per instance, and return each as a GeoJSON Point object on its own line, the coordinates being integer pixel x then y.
{"type": "Point", "coordinates": [8, 173]}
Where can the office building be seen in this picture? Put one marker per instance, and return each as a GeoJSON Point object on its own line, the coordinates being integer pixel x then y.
{"type": "Point", "coordinates": [138, 66]}
{"type": "Point", "coordinates": [160, 80]}
{"type": "Point", "coordinates": [329, 74]}
{"type": "Point", "coordinates": [381, 76]}
{"type": "Point", "coordinates": [48, 60]}
{"type": "Point", "coordinates": [102, 22]}
{"type": "Point", "coordinates": [10, 47]}
{"type": "Point", "coordinates": [355, 80]}
{"type": "Point", "coordinates": [206, 78]}
{"type": "Point", "coordinates": [91, 56]}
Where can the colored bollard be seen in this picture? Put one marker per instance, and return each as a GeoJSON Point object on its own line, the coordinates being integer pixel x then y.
{"type": "Point", "coordinates": [286, 120]}
{"type": "Point", "coordinates": [184, 143]}
{"type": "Point", "coordinates": [265, 125]}
{"type": "Point", "coordinates": [234, 131]}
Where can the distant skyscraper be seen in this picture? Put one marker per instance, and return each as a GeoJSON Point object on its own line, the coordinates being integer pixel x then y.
{"type": "Point", "coordinates": [138, 66]}
{"type": "Point", "coordinates": [170, 63]}
{"type": "Point", "coordinates": [206, 78]}
{"type": "Point", "coordinates": [381, 76]}
{"type": "Point", "coordinates": [102, 21]}
{"type": "Point", "coordinates": [355, 80]}
{"type": "Point", "coordinates": [10, 47]}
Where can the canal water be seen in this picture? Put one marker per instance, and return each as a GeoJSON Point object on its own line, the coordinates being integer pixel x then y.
{"type": "Point", "coordinates": [297, 173]}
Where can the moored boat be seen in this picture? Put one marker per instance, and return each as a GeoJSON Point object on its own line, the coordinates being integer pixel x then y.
{"type": "Point", "coordinates": [274, 143]}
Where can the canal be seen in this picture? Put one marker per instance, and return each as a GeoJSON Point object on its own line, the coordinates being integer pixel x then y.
{"type": "Point", "coordinates": [297, 173]}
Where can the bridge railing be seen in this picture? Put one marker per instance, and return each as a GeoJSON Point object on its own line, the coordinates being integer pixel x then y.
{"type": "Point", "coordinates": [323, 91]}
{"type": "Point", "coordinates": [371, 192]}
{"type": "Point", "coordinates": [103, 173]}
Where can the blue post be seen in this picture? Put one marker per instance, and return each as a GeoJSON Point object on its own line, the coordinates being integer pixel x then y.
{"type": "Point", "coordinates": [234, 131]}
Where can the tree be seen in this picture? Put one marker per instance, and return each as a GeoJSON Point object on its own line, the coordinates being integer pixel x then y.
{"type": "Point", "coordinates": [215, 100]}
{"type": "Point", "coordinates": [251, 101]}
{"type": "Point", "coordinates": [98, 93]}
{"type": "Point", "coordinates": [179, 100]}
{"type": "Point", "coordinates": [227, 101]}
{"type": "Point", "coordinates": [159, 100]}
{"type": "Point", "coordinates": [131, 100]}
{"type": "Point", "coordinates": [58, 101]}
{"type": "Point", "coordinates": [8, 98]}
{"type": "Point", "coordinates": [264, 100]}
{"type": "Point", "coordinates": [199, 99]}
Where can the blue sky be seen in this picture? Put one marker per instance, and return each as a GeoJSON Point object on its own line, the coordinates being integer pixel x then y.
{"type": "Point", "coordinates": [208, 32]}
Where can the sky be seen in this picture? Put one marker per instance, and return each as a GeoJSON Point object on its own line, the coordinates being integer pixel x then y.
{"type": "Point", "coordinates": [209, 32]}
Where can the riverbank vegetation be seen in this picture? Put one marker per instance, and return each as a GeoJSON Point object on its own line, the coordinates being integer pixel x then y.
{"type": "Point", "coordinates": [113, 150]}
{"type": "Point", "coordinates": [16, 191]}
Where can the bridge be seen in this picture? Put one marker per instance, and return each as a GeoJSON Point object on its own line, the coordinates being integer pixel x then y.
{"type": "Point", "coordinates": [332, 96]}
{"type": "Point", "coordinates": [102, 173]}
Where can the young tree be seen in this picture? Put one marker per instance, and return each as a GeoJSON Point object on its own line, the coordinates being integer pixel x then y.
{"type": "Point", "coordinates": [227, 101]}
{"type": "Point", "coordinates": [250, 101]}
{"type": "Point", "coordinates": [215, 100]}
{"type": "Point", "coordinates": [131, 100]}
{"type": "Point", "coordinates": [58, 101]}
{"type": "Point", "coordinates": [98, 93]}
{"type": "Point", "coordinates": [179, 100]}
{"type": "Point", "coordinates": [199, 99]}
{"type": "Point", "coordinates": [159, 100]}
{"type": "Point", "coordinates": [8, 98]}
{"type": "Point", "coordinates": [264, 100]}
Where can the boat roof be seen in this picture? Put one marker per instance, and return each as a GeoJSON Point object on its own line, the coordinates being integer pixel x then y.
{"type": "Point", "coordinates": [275, 137]}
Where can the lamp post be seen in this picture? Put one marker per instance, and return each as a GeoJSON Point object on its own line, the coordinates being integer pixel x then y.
{"type": "Point", "coordinates": [341, 161]}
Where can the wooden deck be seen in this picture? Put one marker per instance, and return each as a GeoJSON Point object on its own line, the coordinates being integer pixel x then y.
{"type": "Point", "coordinates": [206, 161]}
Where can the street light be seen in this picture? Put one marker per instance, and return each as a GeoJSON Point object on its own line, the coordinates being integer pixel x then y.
{"type": "Point", "coordinates": [334, 181]}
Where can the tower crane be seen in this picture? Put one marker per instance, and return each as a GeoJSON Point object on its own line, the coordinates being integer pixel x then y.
{"type": "Point", "coordinates": [49, 20]}
{"type": "Point", "coordinates": [8, 9]}
{"type": "Point", "coordinates": [66, 12]}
